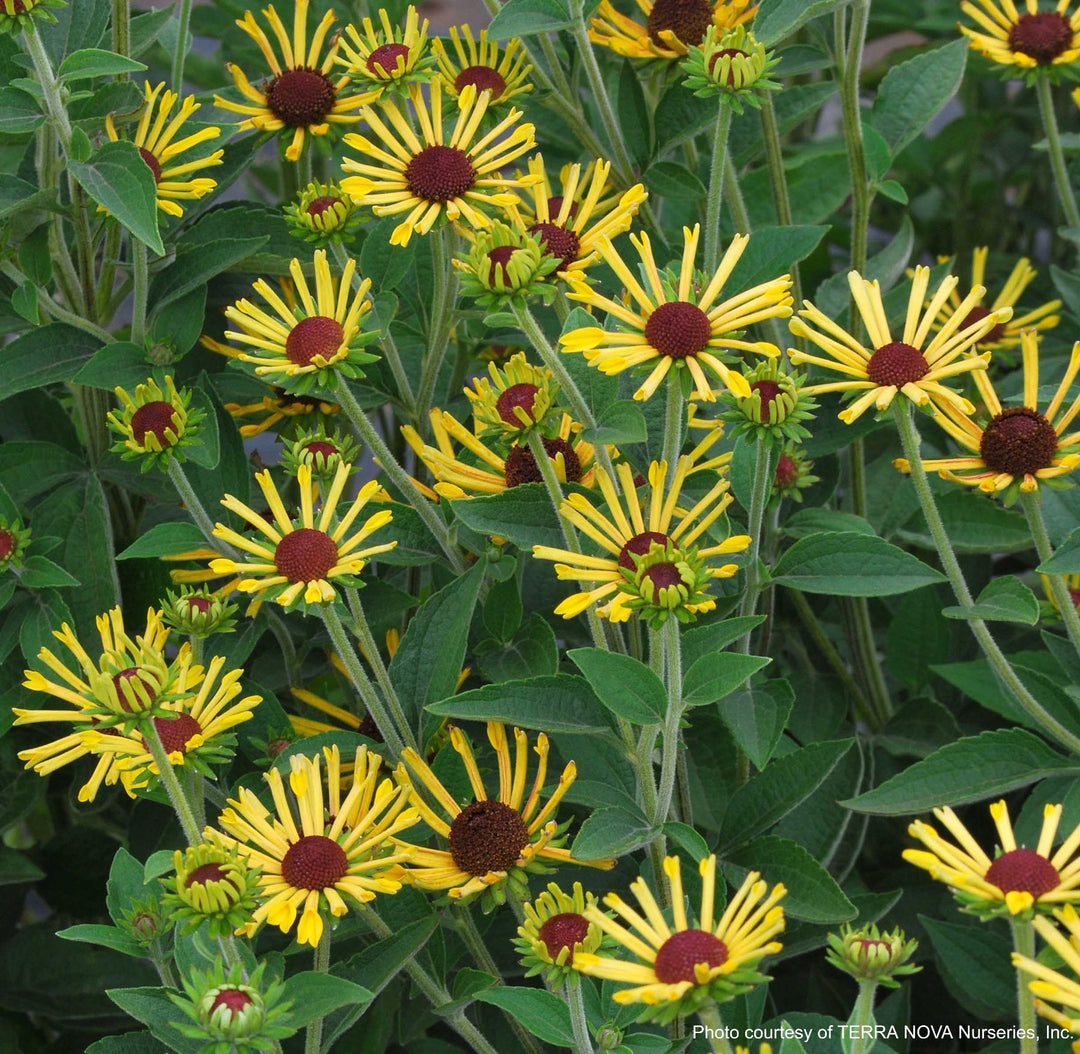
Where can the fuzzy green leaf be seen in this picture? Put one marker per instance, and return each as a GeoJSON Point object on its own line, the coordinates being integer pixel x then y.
{"type": "Point", "coordinates": [545, 1015]}
{"type": "Point", "coordinates": [624, 685]}
{"type": "Point", "coordinates": [119, 180]}
{"type": "Point", "coordinates": [94, 62]}
{"type": "Point", "coordinates": [1005, 599]}
{"type": "Point", "coordinates": [165, 539]}
{"type": "Point", "coordinates": [715, 676]}
{"type": "Point", "coordinates": [523, 514]}
{"type": "Point", "coordinates": [1066, 560]}
{"type": "Point", "coordinates": [526, 18]}
{"type": "Point", "coordinates": [45, 355]}
{"type": "Point", "coordinates": [612, 832]}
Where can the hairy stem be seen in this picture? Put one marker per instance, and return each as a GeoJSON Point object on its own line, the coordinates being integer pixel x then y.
{"type": "Point", "coordinates": [320, 964]}
{"type": "Point", "coordinates": [863, 1015]}
{"type": "Point", "coordinates": [579, 1023]}
{"type": "Point", "coordinates": [445, 279]}
{"type": "Point", "coordinates": [177, 798]}
{"type": "Point", "coordinates": [1023, 934]}
{"type": "Point", "coordinates": [1057, 155]}
{"type": "Point", "coordinates": [715, 199]}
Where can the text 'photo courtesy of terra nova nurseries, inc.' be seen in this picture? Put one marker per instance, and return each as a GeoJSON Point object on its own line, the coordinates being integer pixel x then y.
{"type": "Point", "coordinates": [537, 526]}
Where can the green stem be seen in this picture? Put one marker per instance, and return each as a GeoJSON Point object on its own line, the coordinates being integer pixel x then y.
{"type": "Point", "coordinates": [445, 279]}
{"type": "Point", "coordinates": [50, 86]}
{"type": "Point", "coordinates": [194, 506]}
{"type": "Point", "coordinates": [672, 720]}
{"type": "Point", "coordinates": [863, 1015]}
{"type": "Point", "coordinates": [121, 30]}
{"type": "Point", "coordinates": [717, 174]}
{"type": "Point", "coordinates": [230, 954]}
{"type": "Point", "coordinates": [709, 1016]}
{"type": "Point", "coordinates": [1059, 590]}
{"type": "Point", "coordinates": [177, 798]}
{"type": "Point", "coordinates": [321, 964]}
{"type": "Point", "coordinates": [142, 289]}
{"type": "Point", "coordinates": [395, 738]}
{"type": "Point", "coordinates": [759, 499]}
{"type": "Point", "coordinates": [850, 70]}
{"type": "Point", "coordinates": [909, 437]}
{"type": "Point", "coordinates": [107, 275]}
{"type": "Point", "coordinates": [1057, 156]}
{"type": "Point", "coordinates": [774, 156]}
{"type": "Point", "coordinates": [1024, 944]}
{"type": "Point", "coordinates": [736, 201]}
{"type": "Point", "coordinates": [650, 795]}
{"type": "Point", "coordinates": [674, 421]}
{"type": "Point", "coordinates": [579, 1023]}
{"type": "Point", "coordinates": [399, 477]}
{"type": "Point", "coordinates": [183, 18]}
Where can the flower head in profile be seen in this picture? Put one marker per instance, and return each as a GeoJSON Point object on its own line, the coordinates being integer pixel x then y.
{"type": "Point", "coordinates": [155, 425]}
{"type": "Point", "coordinates": [211, 886]}
{"type": "Point", "coordinates": [492, 842]}
{"type": "Point", "coordinates": [869, 954]}
{"type": "Point", "coordinates": [679, 962]}
{"type": "Point", "coordinates": [1027, 43]}
{"type": "Point", "coordinates": [323, 214]}
{"type": "Point", "coordinates": [505, 267]}
{"type": "Point", "coordinates": [198, 612]}
{"type": "Point", "coordinates": [387, 58]}
{"type": "Point", "coordinates": [1016, 881]}
{"type": "Point", "coordinates": [1056, 986]}
{"type": "Point", "coordinates": [318, 846]}
{"type": "Point", "coordinates": [477, 62]}
{"type": "Point", "coordinates": [297, 559]}
{"type": "Point", "coordinates": [157, 143]}
{"type": "Point", "coordinates": [679, 321]}
{"type": "Point", "coordinates": [1019, 447]}
{"type": "Point", "coordinates": [671, 27]}
{"type": "Point", "coordinates": [435, 170]}
{"type": "Point", "coordinates": [301, 97]}
{"type": "Point", "coordinates": [733, 64]}
{"type": "Point", "coordinates": [514, 398]}
{"type": "Point", "coordinates": [916, 364]}
{"type": "Point", "coordinates": [316, 342]}
{"type": "Point", "coordinates": [555, 929]}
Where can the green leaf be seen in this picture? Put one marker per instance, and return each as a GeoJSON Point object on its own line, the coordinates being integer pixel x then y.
{"type": "Point", "coordinates": [701, 640]}
{"type": "Point", "coordinates": [128, 1042]}
{"type": "Point", "coordinates": [812, 894]}
{"type": "Point", "coordinates": [43, 356]}
{"type": "Point", "coordinates": [635, 118]}
{"type": "Point", "coordinates": [195, 265]}
{"type": "Point", "coordinates": [532, 652]}
{"type": "Point", "coordinates": [154, 1008]}
{"type": "Point", "coordinates": [165, 539]}
{"type": "Point", "coordinates": [850, 564]}
{"type": "Point", "coordinates": [39, 572]}
{"type": "Point", "coordinates": [119, 180]}
{"type": "Point", "coordinates": [912, 93]}
{"type": "Point", "coordinates": [777, 19]}
{"type": "Point", "coordinates": [771, 253]}
{"type": "Point", "coordinates": [522, 514]}
{"type": "Point", "coordinates": [1005, 599]}
{"type": "Point", "coordinates": [975, 966]}
{"type": "Point", "coordinates": [45, 612]}
{"type": "Point", "coordinates": [526, 18]}
{"type": "Point", "coordinates": [756, 718]}
{"type": "Point", "coordinates": [105, 937]}
{"type": "Point", "coordinates": [561, 703]}
{"type": "Point", "coordinates": [620, 424]}
{"type": "Point", "coordinates": [19, 112]}
{"type": "Point", "coordinates": [15, 868]}
{"type": "Point", "coordinates": [93, 62]}
{"type": "Point", "coordinates": [126, 884]}
{"type": "Point", "coordinates": [917, 638]}
{"type": "Point", "coordinates": [545, 1015]}
{"type": "Point", "coordinates": [179, 323]}
{"type": "Point", "coordinates": [314, 994]}
{"type": "Point", "coordinates": [971, 769]}
{"type": "Point", "coordinates": [974, 524]}
{"type": "Point", "coordinates": [771, 794]}
{"type": "Point", "coordinates": [878, 158]}
{"type": "Point", "coordinates": [502, 609]}
{"type": "Point", "coordinates": [671, 180]}
{"type": "Point", "coordinates": [715, 676]}
{"type": "Point", "coordinates": [918, 728]}
{"type": "Point", "coordinates": [612, 832]}
{"type": "Point", "coordinates": [120, 363]}
{"type": "Point", "coordinates": [1066, 560]}
{"type": "Point", "coordinates": [894, 191]}
{"type": "Point", "coordinates": [16, 195]}
{"type": "Point", "coordinates": [627, 687]}
{"type": "Point", "coordinates": [813, 521]}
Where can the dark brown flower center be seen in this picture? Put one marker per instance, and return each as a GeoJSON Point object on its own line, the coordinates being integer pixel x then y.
{"type": "Point", "coordinates": [521, 395]}
{"type": "Point", "coordinates": [137, 684]}
{"type": "Point", "coordinates": [555, 205]}
{"type": "Point", "coordinates": [897, 364]}
{"type": "Point", "coordinates": [687, 19]}
{"type": "Point", "coordinates": [440, 173]}
{"type": "Point", "coordinates": [521, 467]}
{"type": "Point", "coordinates": [498, 258]}
{"type": "Point", "coordinates": [152, 163]}
{"type": "Point", "coordinates": [206, 873]}
{"type": "Point", "coordinates": [233, 999]}
{"type": "Point", "coordinates": [300, 97]}
{"type": "Point", "coordinates": [156, 417]}
{"type": "Point", "coordinates": [200, 604]}
{"type": "Point", "coordinates": [487, 836]}
{"type": "Point", "coordinates": [639, 545]}
{"type": "Point", "coordinates": [1023, 871]}
{"type": "Point", "coordinates": [663, 576]}
{"type": "Point", "coordinates": [314, 862]}
{"type": "Point", "coordinates": [176, 732]}
{"type": "Point", "coordinates": [787, 471]}
{"type": "Point", "coordinates": [322, 204]}
{"type": "Point", "coordinates": [682, 951]}
{"type": "Point", "coordinates": [314, 336]}
{"type": "Point", "coordinates": [305, 555]}
{"type": "Point", "coordinates": [318, 448]}
{"type": "Point", "coordinates": [384, 59]}
{"type": "Point", "coordinates": [977, 314]}
{"type": "Point", "coordinates": [1018, 441]}
{"type": "Point", "coordinates": [1042, 37]}
{"type": "Point", "coordinates": [731, 53]}
{"type": "Point", "coordinates": [558, 241]}
{"type": "Point", "coordinates": [767, 391]}
{"type": "Point", "coordinates": [678, 329]}
{"type": "Point", "coordinates": [7, 544]}
{"type": "Point", "coordinates": [564, 931]}
{"type": "Point", "coordinates": [483, 78]}
{"type": "Point", "coordinates": [868, 945]}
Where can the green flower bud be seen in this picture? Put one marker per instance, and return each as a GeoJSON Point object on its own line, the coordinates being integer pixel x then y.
{"type": "Point", "coordinates": [322, 452]}
{"type": "Point", "coordinates": [504, 266]}
{"type": "Point", "coordinates": [323, 214]}
{"type": "Point", "coordinates": [870, 955]}
{"type": "Point", "coordinates": [14, 539]}
{"type": "Point", "coordinates": [212, 885]}
{"type": "Point", "coordinates": [198, 612]}
{"type": "Point", "coordinates": [732, 63]}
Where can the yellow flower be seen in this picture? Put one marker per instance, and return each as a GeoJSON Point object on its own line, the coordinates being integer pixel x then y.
{"type": "Point", "coordinates": [1028, 41]}
{"type": "Point", "coordinates": [586, 209]}
{"type": "Point", "coordinates": [514, 398]}
{"type": "Point", "coordinates": [315, 341]}
{"type": "Point", "coordinates": [491, 841]}
{"type": "Point", "coordinates": [154, 425]}
{"type": "Point", "coordinates": [1017, 880]}
{"type": "Point", "coordinates": [671, 27]}
{"type": "Point", "coordinates": [295, 560]}
{"type": "Point", "coordinates": [1055, 985]}
{"type": "Point", "coordinates": [488, 472]}
{"type": "Point", "coordinates": [675, 324]}
{"type": "Point", "coordinates": [478, 64]}
{"type": "Point", "coordinates": [627, 527]}
{"type": "Point", "coordinates": [1018, 446]}
{"type": "Point", "coordinates": [431, 173]}
{"type": "Point", "coordinates": [554, 931]}
{"type": "Point", "coordinates": [387, 58]}
{"type": "Point", "coordinates": [301, 96]}
{"type": "Point", "coordinates": [318, 849]}
{"type": "Point", "coordinates": [159, 148]}
{"type": "Point", "coordinates": [914, 364]}
{"type": "Point", "coordinates": [679, 965]}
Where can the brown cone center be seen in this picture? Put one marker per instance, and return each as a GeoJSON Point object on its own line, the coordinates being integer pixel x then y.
{"type": "Point", "coordinates": [156, 417]}
{"type": "Point", "coordinates": [977, 314]}
{"type": "Point", "coordinates": [314, 862]}
{"type": "Point", "coordinates": [231, 998]}
{"type": "Point", "coordinates": [639, 545]}
{"type": "Point", "coordinates": [305, 555]}
{"type": "Point", "coordinates": [318, 335]}
{"type": "Point", "coordinates": [897, 364]}
{"type": "Point", "coordinates": [384, 59]}
{"type": "Point", "coordinates": [663, 576]}
{"type": "Point", "coordinates": [767, 391]}
{"type": "Point", "coordinates": [487, 836]}
{"type": "Point", "coordinates": [521, 396]}
{"type": "Point", "coordinates": [678, 329]}
{"type": "Point", "coordinates": [557, 241]}
{"type": "Point", "coordinates": [682, 951]}
{"type": "Point", "coordinates": [322, 204]}
{"type": "Point", "coordinates": [521, 467]}
{"type": "Point", "coordinates": [1042, 37]}
{"type": "Point", "coordinates": [482, 78]}
{"type": "Point", "coordinates": [731, 53]}
{"type": "Point", "coordinates": [1018, 441]}
{"type": "Point", "coordinates": [498, 258]}
{"type": "Point", "coordinates": [206, 873]}
{"type": "Point", "coordinates": [300, 98]}
{"type": "Point", "coordinates": [133, 675]}
{"type": "Point", "coordinates": [317, 448]}
{"type": "Point", "coordinates": [7, 544]}
{"type": "Point", "coordinates": [1023, 871]}
{"type": "Point", "coordinates": [787, 471]}
{"type": "Point", "coordinates": [176, 732]}
{"type": "Point", "coordinates": [440, 173]}
{"type": "Point", "coordinates": [687, 19]}
{"type": "Point", "coordinates": [564, 931]}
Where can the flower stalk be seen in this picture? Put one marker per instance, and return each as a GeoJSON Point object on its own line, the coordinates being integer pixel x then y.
{"type": "Point", "coordinates": [321, 964]}
{"type": "Point", "coordinates": [862, 1016]}
{"type": "Point", "coordinates": [177, 798]}
{"type": "Point", "coordinates": [717, 173]}
{"type": "Point", "coordinates": [579, 1023]}
{"type": "Point", "coordinates": [1023, 934]}
{"type": "Point", "coordinates": [1057, 155]}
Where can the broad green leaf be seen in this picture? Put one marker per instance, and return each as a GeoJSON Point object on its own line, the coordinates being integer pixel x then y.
{"type": "Point", "coordinates": [45, 611]}
{"type": "Point", "coordinates": [974, 961]}
{"type": "Point", "coordinates": [119, 180]}
{"type": "Point", "coordinates": [16, 194]}
{"type": "Point", "coordinates": [15, 868]}
{"type": "Point", "coordinates": [521, 514]}
{"type": "Point", "coordinates": [756, 718]}
{"type": "Point", "coordinates": [561, 703]}
{"type": "Point", "coordinates": [771, 794]}
{"type": "Point", "coordinates": [634, 113]}
{"type": "Point", "coordinates": [165, 539]}
{"type": "Point", "coordinates": [777, 19]}
{"type": "Point", "coordinates": [971, 769]}
{"type": "Point", "coordinates": [771, 253]}
{"type": "Point", "coordinates": [194, 265]}
{"type": "Point", "coordinates": [120, 363]}
{"type": "Point", "coordinates": [105, 937]}
{"type": "Point", "coordinates": [126, 883]}
{"type": "Point", "coordinates": [918, 728]}
{"type": "Point", "coordinates": [154, 1008]}
{"type": "Point", "coordinates": [38, 572]}
{"type": "Point", "coordinates": [45, 355]}
{"type": "Point", "coordinates": [127, 1042]}
{"type": "Point", "coordinates": [668, 179]}
{"type": "Point", "coordinates": [715, 676]}
{"type": "Point", "coordinates": [975, 525]}
{"type": "Point", "coordinates": [620, 424]}
{"type": "Point", "coordinates": [611, 832]}
{"type": "Point", "coordinates": [545, 1015]}
{"type": "Point", "coordinates": [917, 638]}
{"type": "Point", "coordinates": [624, 685]}
{"type": "Point", "coordinates": [702, 640]}
{"type": "Point", "coordinates": [850, 564]}
{"type": "Point", "coordinates": [178, 324]}
{"type": "Point", "coordinates": [1005, 599]}
{"type": "Point", "coordinates": [526, 18]}
{"type": "Point", "coordinates": [314, 994]}
{"type": "Point", "coordinates": [1066, 560]}
{"type": "Point", "coordinates": [94, 62]}
{"type": "Point", "coordinates": [813, 521]}
{"type": "Point", "coordinates": [687, 839]}
{"type": "Point", "coordinates": [818, 185]}
{"type": "Point", "coordinates": [502, 609]}
{"type": "Point", "coordinates": [19, 112]}
{"type": "Point", "coordinates": [532, 652]}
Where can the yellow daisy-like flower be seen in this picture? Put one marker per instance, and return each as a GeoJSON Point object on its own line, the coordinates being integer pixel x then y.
{"type": "Point", "coordinates": [301, 96]}
{"type": "Point", "coordinates": [1005, 334]}
{"type": "Point", "coordinates": [513, 398]}
{"type": "Point", "coordinates": [671, 27]}
{"type": "Point", "coordinates": [297, 561]}
{"type": "Point", "coordinates": [320, 848]}
{"type": "Point", "coordinates": [316, 340]}
{"type": "Point", "coordinates": [680, 965]}
{"type": "Point", "coordinates": [586, 209]}
{"type": "Point", "coordinates": [1018, 446]}
{"type": "Point", "coordinates": [490, 473]}
{"type": "Point", "coordinates": [387, 57]}
{"type": "Point", "coordinates": [158, 146]}
{"type": "Point", "coordinates": [1055, 986]}
{"type": "Point", "coordinates": [627, 527]}
{"type": "Point", "coordinates": [554, 931]}
{"type": "Point", "coordinates": [1029, 40]}
{"type": "Point", "coordinates": [491, 841]}
{"type": "Point", "coordinates": [428, 174]}
{"type": "Point", "coordinates": [674, 325]}
{"type": "Point", "coordinates": [915, 364]}
{"type": "Point", "coordinates": [478, 64]}
{"type": "Point", "coordinates": [1017, 881]}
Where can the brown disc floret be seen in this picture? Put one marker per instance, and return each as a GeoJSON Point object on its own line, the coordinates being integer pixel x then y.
{"type": "Point", "coordinates": [314, 862]}
{"type": "Point", "coordinates": [678, 329]}
{"type": "Point", "coordinates": [897, 364]}
{"type": "Point", "coordinates": [316, 337]}
{"type": "Point", "coordinates": [305, 555]}
{"type": "Point", "coordinates": [440, 174]}
{"type": "Point", "coordinates": [300, 98]}
{"type": "Point", "coordinates": [682, 951]}
{"type": "Point", "coordinates": [1042, 37]}
{"type": "Point", "coordinates": [487, 836]}
{"type": "Point", "coordinates": [1018, 441]}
